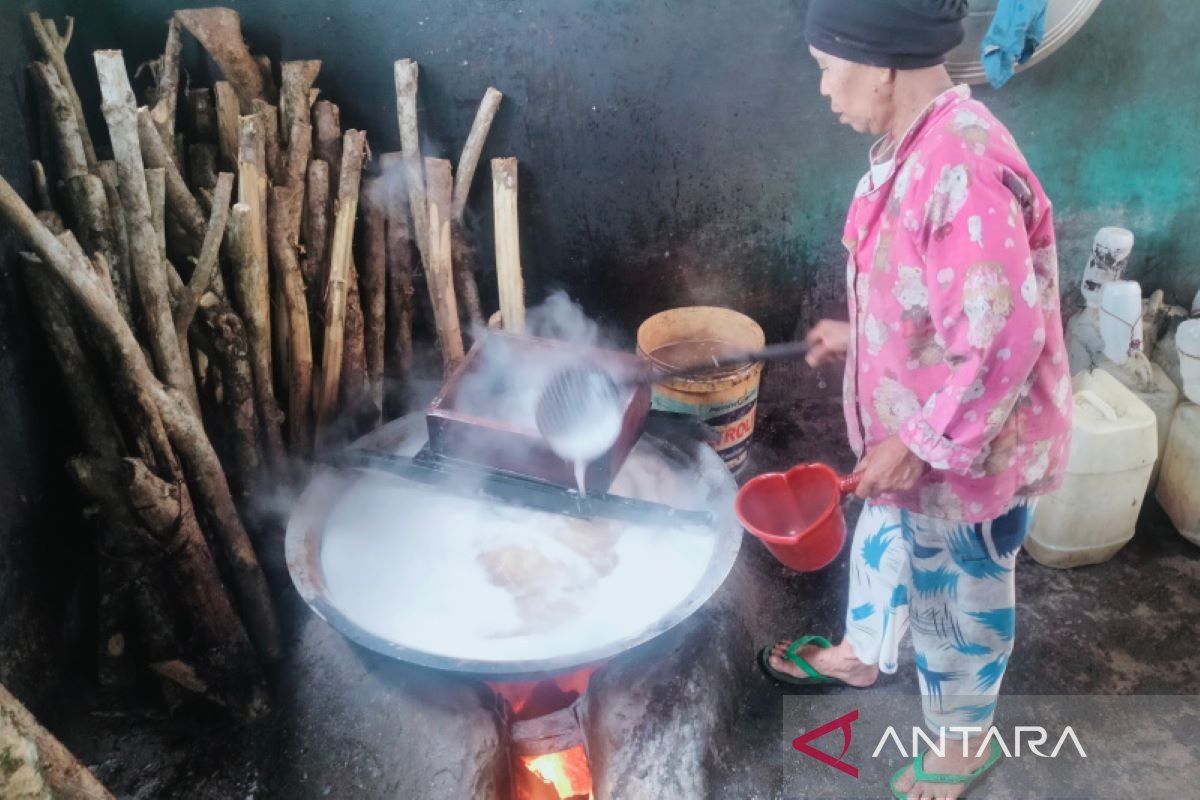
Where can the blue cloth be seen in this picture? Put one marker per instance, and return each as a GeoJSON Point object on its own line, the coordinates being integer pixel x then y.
{"type": "Point", "coordinates": [1015, 33]}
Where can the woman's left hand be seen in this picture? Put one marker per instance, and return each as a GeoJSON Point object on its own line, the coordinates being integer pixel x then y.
{"type": "Point", "coordinates": [889, 467]}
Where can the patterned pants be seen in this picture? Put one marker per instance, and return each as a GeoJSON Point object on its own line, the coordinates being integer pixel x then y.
{"type": "Point", "coordinates": [953, 583]}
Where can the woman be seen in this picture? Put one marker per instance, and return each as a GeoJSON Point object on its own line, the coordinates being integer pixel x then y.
{"type": "Point", "coordinates": [957, 390]}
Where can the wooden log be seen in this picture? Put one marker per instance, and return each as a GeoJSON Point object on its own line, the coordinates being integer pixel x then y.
{"type": "Point", "coordinates": [508, 244]}
{"type": "Point", "coordinates": [180, 200]}
{"type": "Point", "coordinates": [337, 284]}
{"type": "Point", "coordinates": [374, 289]}
{"type": "Point", "coordinates": [156, 192]}
{"type": "Point", "coordinates": [228, 130]}
{"type": "Point", "coordinates": [120, 113]}
{"type": "Point", "coordinates": [64, 776]}
{"type": "Point", "coordinates": [269, 115]}
{"type": "Point", "coordinates": [250, 299]}
{"type": "Point", "coordinates": [72, 158]}
{"type": "Point", "coordinates": [166, 76]}
{"type": "Point", "coordinates": [354, 388]}
{"type": "Point", "coordinates": [264, 69]}
{"type": "Point", "coordinates": [209, 260]}
{"type": "Point", "coordinates": [466, 288]}
{"type": "Point", "coordinates": [252, 191]}
{"type": "Point", "coordinates": [89, 207]}
{"type": "Point", "coordinates": [473, 148]}
{"type": "Point", "coordinates": [405, 72]}
{"type": "Point", "coordinates": [315, 231]}
{"type": "Point", "coordinates": [54, 48]}
{"type": "Point", "coordinates": [202, 116]}
{"type": "Point", "coordinates": [327, 128]}
{"type": "Point", "coordinates": [219, 31]}
{"type": "Point", "coordinates": [41, 186]}
{"type": "Point", "coordinates": [297, 80]}
{"type": "Point", "coordinates": [202, 166]}
{"type": "Point", "coordinates": [122, 270]}
{"type": "Point", "coordinates": [286, 208]}
{"type": "Point", "coordinates": [400, 291]}
{"type": "Point", "coordinates": [439, 271]}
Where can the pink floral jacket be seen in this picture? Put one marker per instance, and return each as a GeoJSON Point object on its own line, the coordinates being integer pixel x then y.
{"type": "Point", "coordinates": [957, 341]}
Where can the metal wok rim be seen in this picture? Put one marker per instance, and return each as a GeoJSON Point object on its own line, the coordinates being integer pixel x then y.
{"type": "Point", "coordinates": [305, 532]}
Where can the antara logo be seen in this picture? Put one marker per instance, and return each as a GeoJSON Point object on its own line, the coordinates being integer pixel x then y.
{"type": "Point", "coordinates": [1032, 736]}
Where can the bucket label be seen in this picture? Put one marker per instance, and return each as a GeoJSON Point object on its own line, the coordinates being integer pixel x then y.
{"type": "Point", "coordinates": [733, 420]}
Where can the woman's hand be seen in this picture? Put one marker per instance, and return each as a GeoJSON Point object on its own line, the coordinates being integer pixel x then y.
{"type": "Point", "coordinates": [829, 341]}
{"type": "Point", "coordinates": [889, 467]}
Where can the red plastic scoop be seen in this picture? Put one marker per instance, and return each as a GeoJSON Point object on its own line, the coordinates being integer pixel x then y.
{"type": "Point", "coordinates": [797, 514]}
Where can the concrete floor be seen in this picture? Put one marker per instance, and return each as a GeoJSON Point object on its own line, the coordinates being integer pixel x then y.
{"type": "Point", "coordinates": [1129, 626]}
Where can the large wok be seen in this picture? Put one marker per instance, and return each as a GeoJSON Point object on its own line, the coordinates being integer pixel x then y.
{"type": "Point", "coordinates": [697, 464]}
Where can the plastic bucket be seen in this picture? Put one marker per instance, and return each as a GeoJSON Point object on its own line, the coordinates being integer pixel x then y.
{"type": "Point", "coordinates": [726, 400]}
{"type": "Point", "coordinates": [797, 514]}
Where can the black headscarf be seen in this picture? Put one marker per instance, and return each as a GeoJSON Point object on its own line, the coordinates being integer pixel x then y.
{"type": "Point", "coordinates": [899, 34]}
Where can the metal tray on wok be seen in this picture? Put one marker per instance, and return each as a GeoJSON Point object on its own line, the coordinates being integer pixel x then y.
{"type": "Point", "coordinates": [366, 561]}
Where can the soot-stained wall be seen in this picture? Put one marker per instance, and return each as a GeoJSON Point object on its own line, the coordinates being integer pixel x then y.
{"type": "Point", "coordinates": [678, 151]}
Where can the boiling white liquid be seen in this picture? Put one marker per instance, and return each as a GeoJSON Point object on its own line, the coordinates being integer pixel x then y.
{"type": "Point", "coordinates": [470, 579]}
{"type": "Point", "coordinates": [580, 476]}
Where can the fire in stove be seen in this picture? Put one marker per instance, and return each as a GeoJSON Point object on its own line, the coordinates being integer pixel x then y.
{"type": "Point", "coordinates": [549, 753]}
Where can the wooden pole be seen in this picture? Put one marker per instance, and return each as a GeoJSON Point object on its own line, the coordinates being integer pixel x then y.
{"type": "Point", "coordinates": [439, 272]}
{"type": "Point", "coordinates": [405, 73]}
{"type": "Point", "coordinates": [228, 131]}
{"type": "Point", "coordinates": [469, 160]}
{"type": "Point", "coordinates": [399, 269]}
{"type": "Point", "coordinates": [219, 31]}
{"type": "Point", "coordinates": [297, 79]}
{"type": "Point", "coordinates": [54, 48]}
{"type": "Point", "coordinates": [166, 75]}
{"type": "Point", "coordinates": [374, 291]}
{"type": "Point", "coordinates": [508, 244]}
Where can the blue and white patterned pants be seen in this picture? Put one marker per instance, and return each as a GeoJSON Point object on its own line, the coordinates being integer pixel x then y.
{"type": "Point", "coordinates": [953, 583]}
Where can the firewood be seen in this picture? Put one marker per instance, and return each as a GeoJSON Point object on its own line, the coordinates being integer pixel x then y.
{"type": "Point", "coordinates": [269, 115]}
{"type": "Point", "coordinates": [63, 774]}
{"type": "Point", "coordinates": [182, 202]}
{"type": "Point", "coordinates": [209, 260]}
{"type": "Point", "coordinates": [156, 193]}
{"type": "Point", "coordinates": [337, 283]}
{"type": "Point", "coordinates": [121, 269]}
{"type": "Point", "coordinates": [286, 208]}
{"type": "Point", "coordinates": [297, 80]}
{"type": "Point", "coordinates": [228, 130]}
{"type": "Point", "coordinates": [251, 302]}
{"type": "Point", "coordinates": [72, 158]}
{"type": "Point", "coordinates": [374, 291]}
{"type": "Point", "coordinates": [121, 115]}
{"type": "Point", "coordinates": [508, 244]}
{"type": "Point", "coordinates": [219, 31]}
{"type": "Point", "coordinates": [93, 224]}
{"type": "Point", "coordinates": [54, 48]}
{"type": "Point", "coordinates": [466, 288]}
{"type": "Point", "coordinates": [400, 291]}
{"type": "Point", "coordinates": [252, 191]}
{"type": "Point", "coordinates": [41, 186]}
{"type": "Point", "coordinates": [327, 147]}
{"type": "Point", "coordinates": [202, 166]}
{"type": "Point", "coordinates": [315, 231]}
{"type": "Point", "coordinates": [353, 388]}
{"type": "Point", "coordinates": [405, 72]}
{"type": "Point", "coordinates": [469, 160]}
{"type": "Point", "coordinates": [439, 271]}
{"type": "Point", "coordinates": [166, 76]}
{"type": "Point", "coordinates": [202, 116]}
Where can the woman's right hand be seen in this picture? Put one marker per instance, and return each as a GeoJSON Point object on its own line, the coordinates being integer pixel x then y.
{"type": "Point", "coordinates": [829, 341]}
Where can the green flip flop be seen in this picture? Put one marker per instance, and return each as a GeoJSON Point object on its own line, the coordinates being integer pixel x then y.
{"type": "Point", "coordinates": [919, 773]}
{"type": "Point", "coordinates": [814, 678]}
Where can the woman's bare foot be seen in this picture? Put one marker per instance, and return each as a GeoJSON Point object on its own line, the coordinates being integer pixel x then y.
{"type": "Point", "coordinates": [953, 762]}
{"type": "Point", "coordinates": [837, 662]}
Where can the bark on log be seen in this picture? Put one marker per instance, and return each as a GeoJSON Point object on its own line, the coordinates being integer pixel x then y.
{"type": "Point", "coordinates": [252, 191]}
{"type": "Point", "coordinates": [508, 244]}
{"type": "Point", "coordinates": [54, 48]}
{"type": "Point", "coordinates": [207, 265]}
{"type": "Point", "coordinates": [297, 79]}
{"type": "Point", "coordinates": [41, 186]}
{"type": "Point", "coordinates": [374, 289]}
{"type": "Point", "coordinates": [315, 231]}
{"type": "Point", "coordinates": [121, 115]}
{"type": "Point", "coordinates": [121, 269]}
{"type": "Point", "coordinates": [465, 287]}
{"type": "Point", "coordinates": [328, 131]}
{"type": "Point", "coordinates": [473, 148]}
{"type": "Point", "coordinates": [354, 387]}
{"type": "Point", "coordinates": [202, 116]}
{"type": "Point", "coordinates": [72, 158]}
{"type": "Point", "coordinates": [93, 224]}
{"type": "Point", "coordinates": [399, 272]}
{"type": "Point", "coordinates": [337, 284]}
{"type": "Point", "coordinates": [219, 31]}
{"type": "Point", "coordinates": [405, 72]}
{"type": "Point", "coordinates": [62, 772]}
{"type": "Point", "coordinates": [285, 209]}
{"type": "Point", "coordinates": [166, 76]}
{"type": "Point", "coordinates": [202, 166]}
{"type": "Point", "coordinates": [250, 300]}
{"type": "Point", "coordinates": [182, 202]}
{"type": "Point", "coordinates": [228, 131]}
{"type": "Point", "coordinates": [269, 116]}
{"type": "Point", "coordinates": [439, 271]}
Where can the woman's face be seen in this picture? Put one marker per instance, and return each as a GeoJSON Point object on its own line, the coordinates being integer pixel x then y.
{"type": "Point", "coordinates": [860, 96]}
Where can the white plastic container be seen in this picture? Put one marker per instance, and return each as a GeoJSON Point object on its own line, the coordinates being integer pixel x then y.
{"type": "Point", "coordinates": [1153, 387]}
{"type": "Point", "coordinates": [1110, 255]}
{"type": "Point", "coordinates": [1121, 319]}
{"type": "Point", "coordinates": [1166, 355]}
{"type": "Point", "coordinates": [1084, 344]}
{"type": "Point", "coordinates": [1114, 441]}
{"type": "Point", "coordinates": [1187, 343]}
{"type": "Point", "coordinates": [1179, 486]}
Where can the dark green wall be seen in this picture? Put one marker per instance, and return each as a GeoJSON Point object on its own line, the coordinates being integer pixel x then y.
{"type": "Point", "coordinates": [677, 151]}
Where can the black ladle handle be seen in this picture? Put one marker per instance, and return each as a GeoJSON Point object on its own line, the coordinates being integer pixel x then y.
{"type": "Point", "coordinates": [787, 351]}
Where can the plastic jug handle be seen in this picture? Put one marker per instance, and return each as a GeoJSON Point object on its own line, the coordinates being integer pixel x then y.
{"type": "Point", "coordinates": [848, 484]}
{"type": "Point", "coordinates": [1098, 403]}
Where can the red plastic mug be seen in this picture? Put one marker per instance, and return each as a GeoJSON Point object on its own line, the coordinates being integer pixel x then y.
{"type": "Point", "coordinates": [797, 514]}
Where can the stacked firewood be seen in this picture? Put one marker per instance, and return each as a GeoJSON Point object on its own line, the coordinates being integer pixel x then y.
{"type": "Point", "coordinates": [201, 293]}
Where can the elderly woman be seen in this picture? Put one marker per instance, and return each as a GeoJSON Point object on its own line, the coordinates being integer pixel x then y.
{"type": "Point", "coordinates": [957, 390]}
